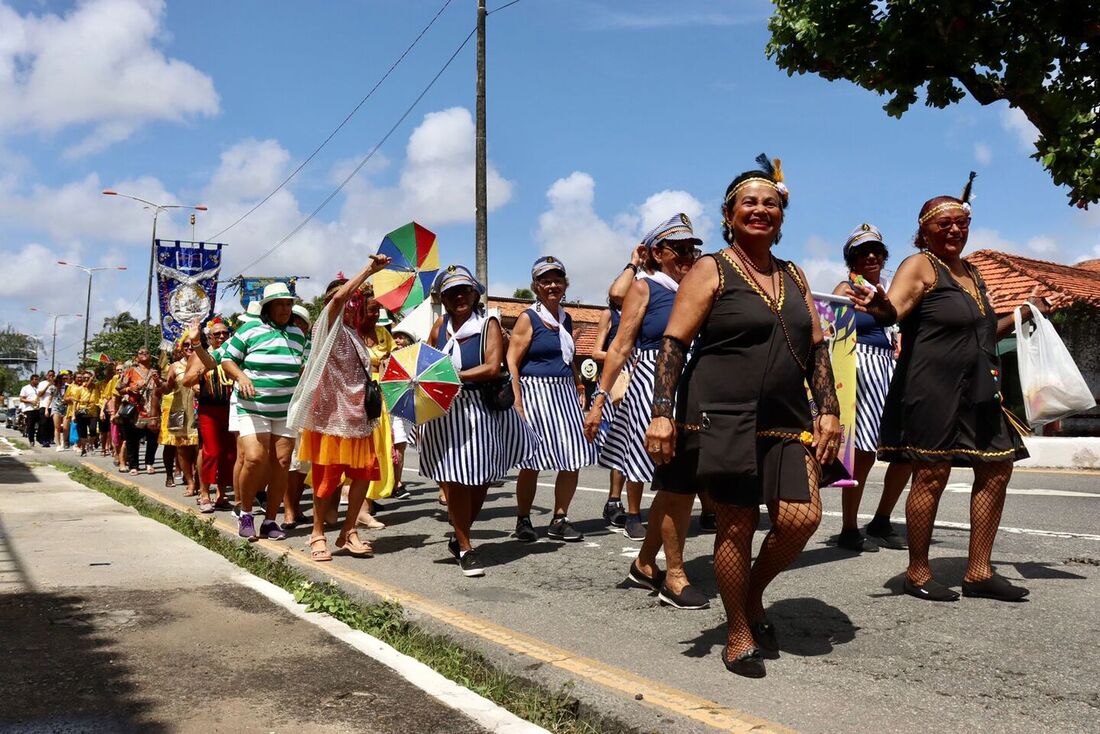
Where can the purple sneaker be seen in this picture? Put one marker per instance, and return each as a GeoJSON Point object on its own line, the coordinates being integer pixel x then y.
{"type": "Point", "coordinates": [246, 528]}
{"type": "Point", "coordinates": [270, 529]}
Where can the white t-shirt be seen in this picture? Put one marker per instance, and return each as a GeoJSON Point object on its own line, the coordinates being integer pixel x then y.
{"type": "Point", "coordinates": [46, 390]}
{"type": "Point", "coordinates": [30, 394]}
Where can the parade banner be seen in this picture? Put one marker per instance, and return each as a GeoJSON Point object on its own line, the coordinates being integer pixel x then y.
{"type": "Point", "coordinates": [838, 323]}
{"type": "Point", "coordinates": [252, 288]}
{"type": "Point", "coordinates": [187, 284]}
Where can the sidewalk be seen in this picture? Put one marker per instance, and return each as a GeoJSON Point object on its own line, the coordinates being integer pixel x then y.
{"type": "Point", "coordinates": [115, 623]}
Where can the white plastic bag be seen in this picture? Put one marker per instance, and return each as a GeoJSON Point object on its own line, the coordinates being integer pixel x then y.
{"type": "Point", "coordinates": [1053, 386]}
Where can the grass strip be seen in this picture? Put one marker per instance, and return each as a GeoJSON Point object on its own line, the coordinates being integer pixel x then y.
{"type": "Point", "coordinates": [555, 710]}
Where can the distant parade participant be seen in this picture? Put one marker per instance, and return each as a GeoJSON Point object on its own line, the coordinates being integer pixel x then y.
{"type": "Point", "coordinates": [404, 432]}
{"type": "Point", "coordinates": [540, 360]}
{"type": "Point", "coordinates": [945, 406]}
{"type": "Point", "coordinates": [329, 409]}
{"type": "Point", "coordinates": [179, 431]}
{"type": "Point", "coordinates": [478, 440]}
{"type": "Point", "coordinates": [140, 387]}
{"type": "Point", "coordinates": [213, 388]}
{"type": "Point", "coordinates": [739, 426]}
{"type": "Point", "coordinates": [671, 250]}
{"type": "Point", "coordinates": [106, 386]}
{"type": "Point", "coordinates": [46, 389]}
{"type": "Point", "coordinates": [264, 358]}
{"type": "Point", "coordinates": [28, 407]}
{"type": "Point", "coordinates": [865, 254]}
{"type": "Point", "coordinates": [59, 409]}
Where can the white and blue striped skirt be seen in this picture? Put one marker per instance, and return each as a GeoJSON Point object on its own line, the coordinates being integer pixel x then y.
{"type": "Point", "coordinates": [552, 408]}
{"type": "Point", "coordinates": [624, 447]}
{"type": "Point", "coordinates": [874, 368]}
{"type": "Point", "coordinates": [472, 444]}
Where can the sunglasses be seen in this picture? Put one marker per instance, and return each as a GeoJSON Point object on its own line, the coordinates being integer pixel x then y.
{"type": "Point", "coordinates": [683, 252]}
{"type": "Point", "coordinates": [220, 334]}
{"type": "Point", "coordinates": [945, 224]}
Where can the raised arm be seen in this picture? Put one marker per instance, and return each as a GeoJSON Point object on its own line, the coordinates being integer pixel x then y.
{"type": "Point", "coordinates": [634, 309]}
{"type": "Point", "coordinates": [344, 292]}
{"type": "Point", "coordinates": [616, 294]}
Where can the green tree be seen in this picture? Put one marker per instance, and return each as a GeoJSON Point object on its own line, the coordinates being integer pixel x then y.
{"type": "Point", "coordinates": [120, 322]}
{"type": "Point", "coordinates": [17, 351]}
{"type": "Point", "coordinates": [524, 293]}
{"type": "Point", "coordinates": [1040, 56]}
{"type": "Point", "coordinates": [122, 343]}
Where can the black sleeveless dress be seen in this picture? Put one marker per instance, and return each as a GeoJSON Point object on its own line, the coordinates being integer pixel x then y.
{"type": "Point", "coordinates": [944, 402]}
{"type": "Point", "coordinates": [742, 355]}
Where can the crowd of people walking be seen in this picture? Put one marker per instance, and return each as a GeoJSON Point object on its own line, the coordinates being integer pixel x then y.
{"type": "Point", "coordinates": [706, 362]}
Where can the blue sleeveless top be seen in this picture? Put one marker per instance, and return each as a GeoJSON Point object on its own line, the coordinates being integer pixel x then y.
{"type": "Point", "coordinates": [656, 316]}
{"type": "Point", "coordinates": [543, 358]}
{"type": "Point", "coordinates": [616, 317]}
{"type": "Point", "coordinates": [470, 348]}
{"type": "Point", "coordinates": [868, 331]}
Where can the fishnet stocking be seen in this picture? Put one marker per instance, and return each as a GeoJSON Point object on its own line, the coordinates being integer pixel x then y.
{"type": "Point", "coordinates": [987, 499]}
{"type": "Point", "coordinates": [732, 559]}
{"type": "Point", "coordinates": [929, 479]}
{"type": "Point", "coordinates": [793, 523]}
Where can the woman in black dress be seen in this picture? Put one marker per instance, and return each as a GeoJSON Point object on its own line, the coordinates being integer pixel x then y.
{"type": "Point", "coordinates": [739, 424]}
{"type": "Point", "coordinates": [944, 405]}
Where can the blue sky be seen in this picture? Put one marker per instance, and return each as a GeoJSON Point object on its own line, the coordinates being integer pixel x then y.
{"type": "Point", "coordinates": [605, 117]}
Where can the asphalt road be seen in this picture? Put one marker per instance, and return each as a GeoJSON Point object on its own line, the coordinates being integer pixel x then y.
{"type": "Point", "coordinates": [856, 654]}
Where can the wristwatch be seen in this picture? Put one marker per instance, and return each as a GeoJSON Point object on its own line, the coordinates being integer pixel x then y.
{"type": "Point", "coordinates": [599, 391]}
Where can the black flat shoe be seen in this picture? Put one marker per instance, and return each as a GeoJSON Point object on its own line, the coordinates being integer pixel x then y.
{"type": "Point", "coordinates": [749, 664]}
{"type": "Point", "coordinates": [688, 598]}
{"type": "Point", "coordinates": [653, 583]}
{"type": "Point", "coordinates": [931, 590]}
{"type": "Point", "coordinates": [995, 587]}
{"type": "Point", "coordinates": [763, 634]}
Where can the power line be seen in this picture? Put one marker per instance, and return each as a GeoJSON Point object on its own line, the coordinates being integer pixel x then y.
{"type": "Point", "coordinates": [331, 135]}
{"type": "Point", "coordinates": [502, 7]}
{"type": "Point", "coordinates": [366, 158]}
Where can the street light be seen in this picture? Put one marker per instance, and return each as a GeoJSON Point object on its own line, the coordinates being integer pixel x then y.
{"type": "Point", "coordinates": [157, 209]}
{"type": "Point", "coordinates": [56, 316]}
{"type": "Point", "coordinates": [88, 306]}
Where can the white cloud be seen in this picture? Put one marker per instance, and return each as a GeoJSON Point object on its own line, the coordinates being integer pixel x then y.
{"type": "Point", "coordinates": [249, 170]}
{"type": "Point", "coordinates": [651, 14]}
{"type": "Point", "coordinates": [1044, 247]}
{"type": "Point", "coordinates": [97, 65]}
{"type": "Point", "coordinates": [823, 273]}
{"type": "Point", "coordinates": [435, 186]}
{"type": "Point", "coordinates": [983, 154]}
{"type": "Point", "coordinates": [1015, 121]}
{"type": "Point", "coordinates": [592, 249]}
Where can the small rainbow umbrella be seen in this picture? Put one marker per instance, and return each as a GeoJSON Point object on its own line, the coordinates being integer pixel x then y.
{"type": "Point", "coordinates": [419, 383]}
{"type": "Point", "coordinates": [414, 262]}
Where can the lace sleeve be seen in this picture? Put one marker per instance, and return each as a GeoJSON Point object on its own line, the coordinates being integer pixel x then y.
{"type": "Point", "coordinates": [670, 365]}
{"type": "Point", "coordinates": [821, 382]}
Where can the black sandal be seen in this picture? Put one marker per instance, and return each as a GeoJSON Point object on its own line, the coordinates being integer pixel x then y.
{"type": "Point", "coordinates": [930, 590]}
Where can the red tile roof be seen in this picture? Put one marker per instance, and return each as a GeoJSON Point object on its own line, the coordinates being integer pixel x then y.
{"type": "Point", "coordinates": [586, 318]}
{"type": "Point", "coordinates": [1089, 265]}
{"type": "Point", "coordinates": [1011, 278]}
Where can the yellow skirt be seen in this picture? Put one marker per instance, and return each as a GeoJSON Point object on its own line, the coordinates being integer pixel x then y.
{"type": "Point", "coordinates": [321, 448]}
{"type": "Point", "coordinates": [383, 448]}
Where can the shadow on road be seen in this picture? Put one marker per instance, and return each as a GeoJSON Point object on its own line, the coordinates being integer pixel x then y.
{"type": "Point", "coordinates": [805, 627]}
{"type": "Point", "coordinates": [13, 471]}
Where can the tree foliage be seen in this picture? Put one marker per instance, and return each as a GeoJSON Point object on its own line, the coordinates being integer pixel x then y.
{"type": "Point", "coordinates": [17, 350]}
{"type": "Point", "coordinates": [524, 293]}
{"type": "Point", "coordinates": [1040, 56]}
{"type": "Point", "coordinates": [122, 343]}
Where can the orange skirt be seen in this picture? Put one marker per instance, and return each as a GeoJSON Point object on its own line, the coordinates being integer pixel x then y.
{"type": "Point", "coordinates": [321, 448]}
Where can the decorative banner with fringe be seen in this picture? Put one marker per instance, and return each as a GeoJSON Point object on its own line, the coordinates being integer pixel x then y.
{"type": "Point", "coordinates": [838, 323]}
{"type": "Point", "coordinates": [252, 288]}
{"type": "Point", "coordinates": [187, 284]}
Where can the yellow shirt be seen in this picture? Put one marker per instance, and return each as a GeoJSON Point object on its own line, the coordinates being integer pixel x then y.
{"type": "Point", "coordinates": [104, 390]}
{"type": "Point", "coordinates": [80, 398]}
{"type": "Point", "coordinates": [383, 345]}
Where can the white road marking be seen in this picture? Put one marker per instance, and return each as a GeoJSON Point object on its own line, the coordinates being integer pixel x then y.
{"type": "Point", "coordinates": [480, 709]}
{"type": "Point", "coordinates": [1003, 529]}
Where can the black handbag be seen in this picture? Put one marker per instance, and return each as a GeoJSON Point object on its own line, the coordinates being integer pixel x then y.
{"type": "Point", "coordinates": [372, 392]}
{"type": "Point", "coordinates": [126, 413]}
{"type": "Point", "coordinates": [497, 394]}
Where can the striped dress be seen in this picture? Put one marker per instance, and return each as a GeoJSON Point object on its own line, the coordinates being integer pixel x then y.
{"type": "Point", "coordinates": [471, 444]}
{"type": "Point", "coordinates": [874, 368]}
{"type": "Point", "coordinates": [624, 447]}
{"type": "Point", "coordinates": [551, 405]}
{"type": "Point", "coordinates": [272, 359]}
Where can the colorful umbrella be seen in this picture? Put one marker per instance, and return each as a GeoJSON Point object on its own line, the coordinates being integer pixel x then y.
{"type": "Point", "coordinates": [414, 262]}
{"type": "Point", "coordinates": [419, 383]}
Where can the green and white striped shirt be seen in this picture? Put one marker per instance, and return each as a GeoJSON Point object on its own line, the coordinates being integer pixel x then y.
{"type": "Point", "coordinates": [272, 359]}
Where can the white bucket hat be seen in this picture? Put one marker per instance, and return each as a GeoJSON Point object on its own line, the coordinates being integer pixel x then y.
{"type": "Point", "coordinates": [276, 292]}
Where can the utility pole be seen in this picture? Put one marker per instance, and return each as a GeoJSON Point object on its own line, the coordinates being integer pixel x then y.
{"type": "Point", "coordinates": [480, 196]}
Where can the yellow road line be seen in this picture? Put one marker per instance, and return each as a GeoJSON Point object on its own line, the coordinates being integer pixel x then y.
{"type": "Point", "coordinates": [722, 718]}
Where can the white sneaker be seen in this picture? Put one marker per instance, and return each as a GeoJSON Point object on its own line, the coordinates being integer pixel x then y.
{"type": "Point", "coordinates": [59, 448]}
